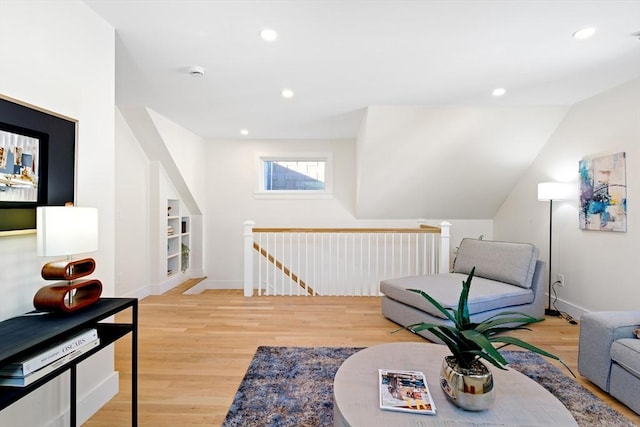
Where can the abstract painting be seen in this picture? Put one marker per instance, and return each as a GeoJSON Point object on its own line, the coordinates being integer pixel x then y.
{"type": "Point", "coordinates": [603, 193]}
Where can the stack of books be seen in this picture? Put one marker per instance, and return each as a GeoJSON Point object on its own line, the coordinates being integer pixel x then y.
{"type": "Point", "coordinates": [36, 366]}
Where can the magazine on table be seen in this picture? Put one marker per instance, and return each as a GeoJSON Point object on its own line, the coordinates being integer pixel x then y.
{"type": "Point", "coordinates": [405, 391]}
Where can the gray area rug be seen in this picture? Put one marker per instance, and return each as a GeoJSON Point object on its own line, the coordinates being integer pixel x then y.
{"type": "Point", "coordinates": [293, 387]}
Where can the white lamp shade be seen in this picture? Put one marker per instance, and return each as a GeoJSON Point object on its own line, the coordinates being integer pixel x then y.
{"type": "Point", "coordinates": [554, 191]}
{"type": "Point", "coordinates": [66, 230]}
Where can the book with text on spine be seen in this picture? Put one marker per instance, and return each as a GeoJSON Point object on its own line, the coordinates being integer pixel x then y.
{"type": "Point", "coordinates": [51, 354]}
{"type": "Point", "coordinates": [23, 381]}
{"type": "Point", "coordinates": [405, 391]}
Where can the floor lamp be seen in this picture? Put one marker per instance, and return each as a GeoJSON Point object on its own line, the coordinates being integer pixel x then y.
{"type": "Point", "coordinates": [550, 191]}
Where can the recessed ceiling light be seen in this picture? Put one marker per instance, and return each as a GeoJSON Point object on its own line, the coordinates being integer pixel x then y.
{"type": "Point", "coordinates": [244, 132]}
{"type": "Point", "coordinates": [268, 35]}
{"type": "Point", "coordinates": [196, 71]}
{"type": "Point", "coordinates": [584, 33]}
{"type": "Point", "coordinates": [499, 91]}
{"type": "Point", "coordinates": [287, 93]}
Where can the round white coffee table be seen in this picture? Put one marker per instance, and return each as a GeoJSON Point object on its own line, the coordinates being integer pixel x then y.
{"type": "Point", "coordinates": [520, 401]}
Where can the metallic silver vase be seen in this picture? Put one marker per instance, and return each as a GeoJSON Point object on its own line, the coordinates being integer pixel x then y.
{"type": "Point", "coordinates": [469, 389]}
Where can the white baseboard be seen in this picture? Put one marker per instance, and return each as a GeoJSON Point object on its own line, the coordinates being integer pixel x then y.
{"type": "Point", "coordinates": [165, 286]}
{"type": "Point", "coordinates": [170, 283]}
{"type": "Point", "coordinates": [91, 402]}
{"type": "Point", "coordinates": [572, 310]}
{"type": "Point", "coordinates": [196, 289]}
{"type": "Point", "coordinates": [214, 284]}
{"type": "Point", "coordinates": [194, 274]}
{"type": "Point", "coordinates": [139, 293]}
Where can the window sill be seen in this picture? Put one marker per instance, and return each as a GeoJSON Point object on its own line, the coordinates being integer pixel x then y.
{"type": "Point", "coordinates": [293, 195]}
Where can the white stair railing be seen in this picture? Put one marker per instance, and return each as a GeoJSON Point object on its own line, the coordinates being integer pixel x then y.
{"type": "Point", "coordinates": [339, 261]}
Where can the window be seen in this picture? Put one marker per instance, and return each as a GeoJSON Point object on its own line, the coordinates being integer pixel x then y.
{"type": "Point", "coordinates": [298, 175]}
{"type": "Point", "coordinates": [294, 175]}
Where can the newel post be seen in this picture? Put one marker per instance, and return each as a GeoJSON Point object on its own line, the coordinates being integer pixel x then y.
{"type": "Point", "coordinates": [248, 258]}
{"type": "Point", "coordinates": [445, 237]}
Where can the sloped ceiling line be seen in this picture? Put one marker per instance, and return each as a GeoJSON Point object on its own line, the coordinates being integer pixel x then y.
{"type": "Point", "coordinates": [151, 141]}
{"type": "Point", "coordinates": [447, 162]}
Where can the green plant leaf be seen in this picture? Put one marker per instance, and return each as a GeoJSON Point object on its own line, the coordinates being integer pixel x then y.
{"type": "Point", "coordinates": [463, 308]}
{"type": "Point", "coordinates": [436, 304]}
{"type": "Point", "coordinates": [494, 362]}
{"type": "Point", "coordinates": [452, 337]}
{"type": "Point", "coordinates": [451, 333]}
{"type": "Point", "coordinates": [485, 344]}
{"type": "Point", "coordinates": [530, 347]}
{"type": "Point", "coordinates": [449, 339]}
{"type": "Point", "coordinates": [522, 318]}
{"type": "Point", "coordinates": [497, 330]}
{"type": "Point", "coordinates": [469, 341]}
{"type": "Point", "coordinates": [497, 321]}
{"type": "Point", "coordinates": [511, 313]}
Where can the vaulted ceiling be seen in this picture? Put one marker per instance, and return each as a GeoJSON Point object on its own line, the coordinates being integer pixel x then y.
{"type": "Point", "coordinates": [410, 80]}
{"type": "Point", "coordinates": [342, 56]}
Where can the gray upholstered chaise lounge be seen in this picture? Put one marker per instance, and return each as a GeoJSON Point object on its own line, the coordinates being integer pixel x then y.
{"type": "Point", "coordinates": [508, 277]}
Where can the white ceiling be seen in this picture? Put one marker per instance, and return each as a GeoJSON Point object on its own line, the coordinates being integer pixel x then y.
{"type": "Point", "coordinates": [344, 55]}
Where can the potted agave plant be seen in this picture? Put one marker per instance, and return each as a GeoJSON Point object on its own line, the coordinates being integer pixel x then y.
{"type": "Point", "coordinates": [466, 381]}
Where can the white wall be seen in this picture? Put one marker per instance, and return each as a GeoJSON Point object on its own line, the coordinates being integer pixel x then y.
{"type": "Point", "coordinates": [187, 151]}
{"type": "Point", "coordinates": [446, 162]}
{"type": "Point", "coordinates": [231, 177]}
{"type": "Point", "coordinates": [132, 214]}
{"type": "Point", "coordinates": [600, 268]}
{"type": "Point", "coordinates": [157, 160]}
{"type": "Point", "coordinates": [60, 56]}
{"type": "Point", "coordinates": [225, 178]}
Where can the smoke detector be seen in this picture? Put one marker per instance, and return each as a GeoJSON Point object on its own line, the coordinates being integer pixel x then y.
{"type": "Point", "coordinates": [196, 71]}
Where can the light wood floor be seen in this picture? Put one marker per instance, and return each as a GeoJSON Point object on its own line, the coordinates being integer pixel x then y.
{"type": "Point", "coordinates": [195, 349]}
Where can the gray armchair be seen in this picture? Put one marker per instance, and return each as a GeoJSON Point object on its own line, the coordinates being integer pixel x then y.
{"type": "Point", "coordinates": [609, 354]}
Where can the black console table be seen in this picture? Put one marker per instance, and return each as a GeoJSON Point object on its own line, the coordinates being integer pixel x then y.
{"type": "Point", "coordinates": [35, 331]}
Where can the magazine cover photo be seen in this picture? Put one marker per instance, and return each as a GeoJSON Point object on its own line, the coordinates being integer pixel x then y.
{"type": "Point", "coordinates": [405, 391]}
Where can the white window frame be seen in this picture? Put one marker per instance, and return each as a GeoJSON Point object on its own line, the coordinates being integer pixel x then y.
{"type": "Point", "coordinates": [260, 191]}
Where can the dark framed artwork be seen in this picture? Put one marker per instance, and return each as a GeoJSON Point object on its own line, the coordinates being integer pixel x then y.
{"type": "Point", "coordinates": [37, 163]}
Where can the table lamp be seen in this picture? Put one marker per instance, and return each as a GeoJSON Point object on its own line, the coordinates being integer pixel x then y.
{"type": "Point", "coordinates": [66, 231]}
